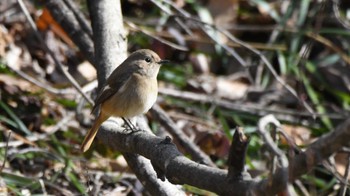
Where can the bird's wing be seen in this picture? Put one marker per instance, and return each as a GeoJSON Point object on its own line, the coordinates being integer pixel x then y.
{"type": "Point", "coordinates": [114, 83]}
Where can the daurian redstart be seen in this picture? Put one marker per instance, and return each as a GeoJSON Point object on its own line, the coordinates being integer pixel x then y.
{"type": "Point", "coordinates": [130, 90]}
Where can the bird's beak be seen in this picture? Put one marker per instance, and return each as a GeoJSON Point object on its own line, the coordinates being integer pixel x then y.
{"type": "Point", "coordinates": [163, 61]}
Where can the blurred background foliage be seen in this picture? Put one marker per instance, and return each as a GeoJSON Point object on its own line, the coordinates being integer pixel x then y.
{"type": "Point", "coordinates": [306, 43]}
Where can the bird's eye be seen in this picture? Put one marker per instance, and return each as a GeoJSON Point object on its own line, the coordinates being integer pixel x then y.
{"type": "Point", "coordinates": [148, 60]}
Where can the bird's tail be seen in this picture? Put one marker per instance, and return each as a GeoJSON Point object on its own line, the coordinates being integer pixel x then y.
{"type": "Point", "coordinates": [89, 138]}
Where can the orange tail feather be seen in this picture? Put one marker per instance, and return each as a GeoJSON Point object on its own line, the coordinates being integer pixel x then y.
{"type": "Point", "coordinates": [89, 138]}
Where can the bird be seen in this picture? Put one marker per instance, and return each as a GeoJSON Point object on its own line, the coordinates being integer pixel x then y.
{"type": "Point", "coordinates": [130, 90]}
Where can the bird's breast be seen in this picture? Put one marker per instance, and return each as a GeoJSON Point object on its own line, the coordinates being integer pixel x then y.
{"type": "Point", "coordinates": [135, 97]}
{"type": "Point", "coordinates": [147, 91]}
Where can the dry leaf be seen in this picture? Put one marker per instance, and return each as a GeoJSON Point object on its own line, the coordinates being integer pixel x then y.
{"type": "Point", "coordinates": [10, 82]}
{"type": "Point", "coordinates": [300, 135]}
{"type": "Point", "coordinates": [200, 63]}
{"type": "Point", "coordinates": [87, 71]}
{"type": "Point", "coordinates": [45, 22]}
{"type": "Point", "coordinates": [223, 87]}
{"type": "Point", "coordinates": [224, 12]}
{"type": "Point", "coordinates": [214, 143]}
{"type": "Point", "coordinates": [230, 89]}
{"type": "Point", "coordinates": [341, 161]}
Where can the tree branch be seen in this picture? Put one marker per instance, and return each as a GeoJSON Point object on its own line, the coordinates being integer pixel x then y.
{"type": "Point", "coordinates": [177, 168]}
{"type": "Point", "coordinates": [109, 37]}
{"type": "Point", "coordinates": [110, 51]}
{"type": "Point", "coordinates": [145, 173]}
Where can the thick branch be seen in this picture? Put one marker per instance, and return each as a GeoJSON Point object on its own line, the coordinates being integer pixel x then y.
{"type": "Point", "coordinates": [180, 170]}
{"type": "Point", "coordinates": [177, 168]}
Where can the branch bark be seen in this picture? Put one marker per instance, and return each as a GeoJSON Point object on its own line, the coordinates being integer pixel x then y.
{"type": "Point", "coordinates": [145, 173]}
{"type": "Point", "coordinates": [196, 153]}
{"type": "Point", "coordinates": [180, 170]}
{"type": "Point", "coordinates": [109, 37]}
{"type": "Point", "coordinates": [177, 168]}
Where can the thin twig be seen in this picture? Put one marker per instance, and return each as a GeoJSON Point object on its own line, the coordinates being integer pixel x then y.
{"type": "Point", "coordinates": [70, 24]}
{"type": "Point", "coordinates": [344, 186]}
{"type": "Point", "coordinates": [247, 46]}
{"type": "Point", "coordinates": [166, 10]}
{"type": "Point", "coordinates": [270, 67]}
{"type": "Point", "coordinates": [328, 43]}
{"type": "Point", "coordinates": [276, 32]}
{"type": "Point", "coordinates": [38, 83]}
{"type": "Point", "coordinates": [249, 108]}
{"type": "Point", "coordinates": [330, 165]}
{"type": "Point", "coordinates": [193, 119]}
{"type": "Point", "coordinates": [160, 39]}
{"type": "Point", "coordinates": [289, 140]}
{"type": "Point", "coordinates": [42, 184]}
{"type": "Point", "coordinates": [302, 188]}
{"type": "Point", "coordinates": [263, 122]}
{"type": "Point", "coordinates": [32, 138]}
{"type": "Point", "coordinates": [280, 175]}
{"type": "Point", "coordinates": [223, 45]}
{"type": "Point", "coordinates": [204, 40]}
{"type": "Point", "coordinates": [6, 151]}
{"type": "Point", "coordinates": [184, 141]}
{"type": "Point", "coordinates": [204, 26]}
{"type": "Point", "coordinates": [82, 21]}
{"type": "Point", "coordinates": [57, 63]}
{"type": "Point", "coordinates": [86, 174]}
{"type": "Point", "coordinates": [344, 23]}
{"type": "Point", "coordinates": [345, 149]}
